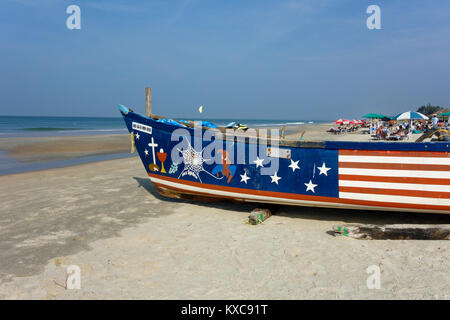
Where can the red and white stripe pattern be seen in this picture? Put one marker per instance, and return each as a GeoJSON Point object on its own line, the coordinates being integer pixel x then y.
{"type": "Point", "coordinates": [401, 179]}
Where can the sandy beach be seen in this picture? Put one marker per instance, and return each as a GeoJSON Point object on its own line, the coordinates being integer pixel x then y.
{"type": "Point", "coordinates": [129, 242]}
{"type": "Point", "coordinates": [36, 149]}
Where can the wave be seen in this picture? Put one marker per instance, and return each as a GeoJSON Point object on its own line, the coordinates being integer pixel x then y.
{"type": "Point", "coordinates": [50, 129]}
{"type": "Point", "coordinates": [70, 129]}
{"type": "Point", "coordinates": [102, 130]}
{"type": "Point", "coordinates": [279, 124]}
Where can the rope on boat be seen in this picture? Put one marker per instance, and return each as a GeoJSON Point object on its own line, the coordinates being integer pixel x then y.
{"type": "Point", "coordinates": [133, 145]}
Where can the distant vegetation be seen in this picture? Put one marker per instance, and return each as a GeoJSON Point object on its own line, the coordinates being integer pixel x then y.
{"type": "Point", "coordinates": [429, 109]}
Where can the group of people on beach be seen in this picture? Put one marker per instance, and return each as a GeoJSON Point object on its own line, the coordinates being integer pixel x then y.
{"type": "Point", "coordinates": [393, 130]}
{"type": "Point", "coordinates": [350, 127]}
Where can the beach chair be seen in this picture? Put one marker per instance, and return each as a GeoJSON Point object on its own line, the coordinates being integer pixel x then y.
{"type": "Point", "coordinates": [395, 137]}
{"type": "Point", "coordinates": [333, 130]}
{"type": "Point", "coordinates": [376, 137]}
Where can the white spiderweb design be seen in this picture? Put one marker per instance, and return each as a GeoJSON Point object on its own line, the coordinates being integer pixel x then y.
{"type": "Point", "coordinates": [193, 163]}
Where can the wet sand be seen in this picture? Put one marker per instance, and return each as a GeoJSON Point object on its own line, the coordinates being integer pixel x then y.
{"type": "Point", "coordinates": [130, 243]}
{"type": "Point", "coordinates": [35, 149]}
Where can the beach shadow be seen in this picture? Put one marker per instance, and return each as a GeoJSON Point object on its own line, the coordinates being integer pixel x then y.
{"type": "Point", "coordinates": [217, 204]}
{"type": "Point", "coordinates": [311, 213]}
{"type": "Point", "coordinates": [363, 216]}
{"type": "Point", "coordinates": [149, 187]}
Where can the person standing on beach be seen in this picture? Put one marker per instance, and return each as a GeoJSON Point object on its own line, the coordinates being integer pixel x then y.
{"type": "Point", "coordinates": [435, 121]}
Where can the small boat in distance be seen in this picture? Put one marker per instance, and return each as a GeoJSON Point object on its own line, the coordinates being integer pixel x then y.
{"type": "Point", "coordinates": [184, 158]}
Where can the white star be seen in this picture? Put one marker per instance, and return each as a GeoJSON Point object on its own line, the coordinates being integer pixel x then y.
{"type": "Point", "coordinates": [146, 152]}
{"type": "Point", "coordinates": [259, 162]}
{"type": "Point", "coordinates": [294, 165]}
{"type": "Point", "coordinates": [137, 136]}
{"type": "Point", "coordinates": [275, 178]}
{"type": "Point", "coordinates": [310, 186]}
{"type": "Point", "coordinates": [244, 177]}
{"type": "Point", "coordinates": [323, 170]}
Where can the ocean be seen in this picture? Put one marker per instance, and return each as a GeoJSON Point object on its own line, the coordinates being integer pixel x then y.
{"type": "Point", "coordinates": [24, 126]}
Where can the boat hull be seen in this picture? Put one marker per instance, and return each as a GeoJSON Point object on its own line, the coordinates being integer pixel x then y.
{"type": "Point", "coordinates": [409, 177]}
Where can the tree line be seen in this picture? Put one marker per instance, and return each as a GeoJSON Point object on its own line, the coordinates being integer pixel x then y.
{"type": "Point", "coordinates": [429, 109]}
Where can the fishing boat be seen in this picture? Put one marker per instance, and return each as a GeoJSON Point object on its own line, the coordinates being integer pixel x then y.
{"type": "Point", "coordinates": [185, 158]}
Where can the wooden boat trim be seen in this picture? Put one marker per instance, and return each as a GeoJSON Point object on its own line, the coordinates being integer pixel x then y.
{"type": "Point", "coordinates": [214, 191]}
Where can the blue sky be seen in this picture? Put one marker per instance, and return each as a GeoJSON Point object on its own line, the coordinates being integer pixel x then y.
{"type": "Point", "coordinates": [293, 59]}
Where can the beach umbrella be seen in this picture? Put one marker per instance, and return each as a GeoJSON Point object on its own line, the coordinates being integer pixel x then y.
{"type": "Point", "coordinates": [342, 121]}
{"type": "Point", "coordinates": [373, 116]}
{"type": "Point", "coordinates": [410, 115]}
{"type": "Point", "coordinates": [444, 115]}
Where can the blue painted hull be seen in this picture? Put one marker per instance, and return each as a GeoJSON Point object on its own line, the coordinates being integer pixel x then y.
{"type": "Point", "coordinates": [373, 175]}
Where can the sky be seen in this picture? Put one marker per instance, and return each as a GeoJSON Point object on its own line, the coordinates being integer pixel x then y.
{"type": "Point", "coordinates": [292, 59]}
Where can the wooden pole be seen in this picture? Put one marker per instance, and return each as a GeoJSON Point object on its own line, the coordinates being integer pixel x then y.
{"type": "Point", "coordinates": [148, 102]}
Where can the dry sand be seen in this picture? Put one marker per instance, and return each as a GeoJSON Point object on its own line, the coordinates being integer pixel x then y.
{"type": "Point", "coordinates": [318, 132]}
{"type": "Point", "coordinates": [129, 243]}
{"type": "Point", "coordinates": [61, 148]}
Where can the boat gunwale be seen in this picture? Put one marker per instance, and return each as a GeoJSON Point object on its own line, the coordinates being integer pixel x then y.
{"type": "Point", "coordinates": [335, 145]}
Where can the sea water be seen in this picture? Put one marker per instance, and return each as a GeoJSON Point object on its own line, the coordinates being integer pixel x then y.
{"type": "Point", "coordinates": [23, 126]}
